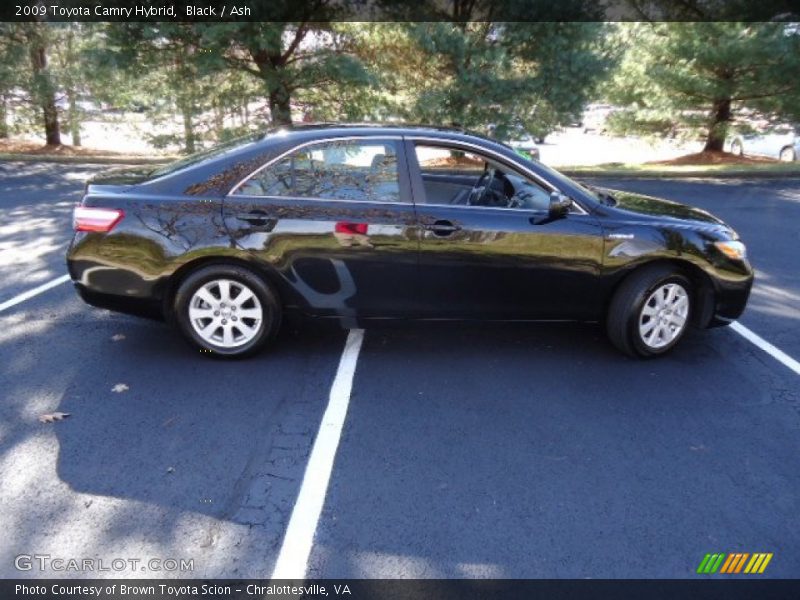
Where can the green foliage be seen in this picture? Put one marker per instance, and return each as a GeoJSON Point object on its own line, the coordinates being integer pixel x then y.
{"type": "Point", "coordinates": [290, 60]}
{"type": "Point", "coordinates": [189, 84]}
{"type": "Point", "coordinates": [537, 75]}
{"type": "Point", "coordinates": [696, 78]}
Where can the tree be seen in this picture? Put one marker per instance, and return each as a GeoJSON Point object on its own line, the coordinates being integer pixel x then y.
{"type": "Point", "coordinates": [43, 89]}
{"type": "Point", "coordinates": [472, 63]}
{"type": "Point", "coordinates": [287, 58]}
{"type": "Point", "coordinates": [163, 60]}
{"type": "Point", "coordinates": [12, 57]}
{"type": "Point", "coordinates": [34, 39]}
{"type": "Point", "coordinates": [74, 69]}
{"type": "Point", "coordinates": [699, 76]}
{"type": "Point", "coordinates": [462, 67]}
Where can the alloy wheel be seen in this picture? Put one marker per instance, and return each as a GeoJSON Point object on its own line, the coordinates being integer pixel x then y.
{"type": "Point", "coordinates": [664, 315]}
{"type": "Point", "coordinates": [225, 313]}
{"type": "Point", "coordinates": [787, 155]}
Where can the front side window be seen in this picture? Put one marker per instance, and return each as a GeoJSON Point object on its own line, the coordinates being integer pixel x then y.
{"type": "Point", "coordinates": [357, 170]}
{"type": "Point", "coordinates": [458, 177]}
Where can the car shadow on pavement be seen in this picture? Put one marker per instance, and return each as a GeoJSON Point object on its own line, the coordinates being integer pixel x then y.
{"type": "Point", "coordinates": [164, 449]}
{"type": "Point", "coordinates": [188, 431]}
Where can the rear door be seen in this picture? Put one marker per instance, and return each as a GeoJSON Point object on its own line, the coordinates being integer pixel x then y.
{"type": "Point", "coordinates": [335, 221]}
{"type": "Point", "coordinates": [487, 249]}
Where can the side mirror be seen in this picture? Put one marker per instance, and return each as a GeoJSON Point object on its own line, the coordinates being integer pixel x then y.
{"type": "Point", "coordinates": [559, 205]}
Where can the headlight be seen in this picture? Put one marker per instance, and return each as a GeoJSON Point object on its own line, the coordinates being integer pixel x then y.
{"type": "Point", "coordinates": [732, 249]}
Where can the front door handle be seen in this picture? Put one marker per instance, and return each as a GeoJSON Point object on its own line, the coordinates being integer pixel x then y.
{"type": "Point", "coordinates": [442, 228]}
{"type": "Point", "coordinates": [257, 218]}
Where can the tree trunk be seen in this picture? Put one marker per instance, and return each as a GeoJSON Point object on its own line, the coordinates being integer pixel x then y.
{"type": "Point", "coordinates": [3, 117]}
{"type": "Point", "coordinates": [44, 90]}
{"type": "Point", "coordinates": [219, 117]}
{"type": "Point", "coordinates": [188, 130]}
{"type": "Point", "coordinates": [73, 113]}
{"type": "Point", "coordinates": [271, 68]}
{"type": "Point", "coordinates": [280, 108]}
{"type": "Point", "coordinates": [718, 128]}
{"type": "Point", "coordinates": [74, 118]}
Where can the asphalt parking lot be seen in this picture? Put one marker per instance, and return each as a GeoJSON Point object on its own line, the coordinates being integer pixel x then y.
{"type": "Point", "coordinates": [465, 451]}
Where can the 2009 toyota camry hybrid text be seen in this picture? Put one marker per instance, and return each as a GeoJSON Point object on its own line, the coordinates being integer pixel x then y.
{"type": "Point", "coordinates": [359, 222]}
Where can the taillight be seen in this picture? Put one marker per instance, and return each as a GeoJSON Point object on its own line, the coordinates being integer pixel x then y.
{"type": "Point", "coordinates": [85, 218]}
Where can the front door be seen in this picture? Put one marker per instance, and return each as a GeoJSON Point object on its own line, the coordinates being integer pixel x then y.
{"type": "Point", "coordinates": [335, 221]}
{"type": "Point", "coordinates": [487, 249]}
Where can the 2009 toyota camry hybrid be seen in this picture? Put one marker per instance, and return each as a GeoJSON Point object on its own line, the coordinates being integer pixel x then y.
{"type": "Point", "coordinates": [359, 222]}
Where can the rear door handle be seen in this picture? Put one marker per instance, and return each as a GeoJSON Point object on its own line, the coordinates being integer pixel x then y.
{"type": "Point", "coordinates": [442, 228]}
{"type": "Point", "coordinates": [258, 217]}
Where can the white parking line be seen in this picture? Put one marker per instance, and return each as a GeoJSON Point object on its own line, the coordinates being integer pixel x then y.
{"type": "Point", "coordinates": [774, 352]}
{"type": "Point", "coordinates": [292, 561]}
{"type": "Point", "coordinates": [34, 292]}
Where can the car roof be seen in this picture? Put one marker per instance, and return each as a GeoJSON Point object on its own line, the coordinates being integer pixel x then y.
{"type": "Point", "coordinates": [312, 130]}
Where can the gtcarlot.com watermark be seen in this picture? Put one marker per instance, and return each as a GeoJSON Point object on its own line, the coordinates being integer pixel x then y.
{"type": "Point", "coordinates": [46, 562]}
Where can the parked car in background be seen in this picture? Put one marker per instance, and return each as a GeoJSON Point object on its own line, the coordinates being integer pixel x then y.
{"type": "Point", "coordinates": [595, 117]}
{"type": "Point", "coordinates": [525, 145]}
{"type": "Point", "coordinates": [779, 141]}
{"type": "Point", "coordinates": [520, 140]}
{"type": "Point", "coordinates": [361, 223]}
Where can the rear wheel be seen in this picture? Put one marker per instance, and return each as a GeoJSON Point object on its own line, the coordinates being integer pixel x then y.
{"type": "Point", "coordinates": [736, 148]}
{"type": "Point", "coordinates": [650, 312]}
{"type": "Point", "coordinates": [787, 154]}
{"type": "Point", "coordinates": [227, 310]}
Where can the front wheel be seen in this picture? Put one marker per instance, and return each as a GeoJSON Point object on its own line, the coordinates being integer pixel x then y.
{"type": "Point", "coordinates": [650, 312]}
{"type": "Point", "coordinates": [736, 148]}
{"type": "Point", "coordinates": [787, 154]}
{"type": "Point", "coordinates": [226, 310]}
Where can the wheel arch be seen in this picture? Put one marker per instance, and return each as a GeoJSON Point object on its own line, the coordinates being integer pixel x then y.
{"type": "Point", "coordinates": [703, 289]}
{"type": "Point", "coordinates": [171, 285]}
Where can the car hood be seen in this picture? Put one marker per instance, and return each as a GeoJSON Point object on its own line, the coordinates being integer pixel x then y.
{"type": "Point", "coordinates": [640, 205]}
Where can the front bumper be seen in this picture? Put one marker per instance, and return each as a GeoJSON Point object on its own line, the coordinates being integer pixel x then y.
{"type": "Point", "coordinates": [730, 301]}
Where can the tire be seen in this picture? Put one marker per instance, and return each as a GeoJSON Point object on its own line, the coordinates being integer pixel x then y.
{"type": "Point", "coordinates": [736, 148]}
{"type": "Point", "coordinates": [211, 297]}
{"type": "Point", "coordinates": [650, 312]}
{"type": "Point", "coordinates": [787, 154]}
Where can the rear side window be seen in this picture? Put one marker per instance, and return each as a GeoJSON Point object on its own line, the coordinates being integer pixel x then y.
{"type": "Point", "coordinates": [353, 170]}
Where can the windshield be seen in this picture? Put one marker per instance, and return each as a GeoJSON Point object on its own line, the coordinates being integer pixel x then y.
{"type": "Point", "coordinates": [562, 182]}
{"type": "Point", "coordinates": [213, 152]}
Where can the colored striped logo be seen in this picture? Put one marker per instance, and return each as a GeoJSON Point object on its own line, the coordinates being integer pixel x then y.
{"type": "Point", "coordinates": [736, 562]}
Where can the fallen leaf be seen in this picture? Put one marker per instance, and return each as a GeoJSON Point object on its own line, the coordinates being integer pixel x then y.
{"type": "Point", "coordinates": [118, 336]}
{"type": "Point", "coordinates": [170, 469]}
{"type": "Point", "coordinates": [119, 388]}
{"type": "Point", "coordinates": [53, 417]}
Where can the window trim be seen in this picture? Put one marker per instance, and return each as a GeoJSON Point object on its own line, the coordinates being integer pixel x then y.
{"type": "Point", "coordinates": [520, 169]}
{"type": "Point", "coordinates": [377, 138]}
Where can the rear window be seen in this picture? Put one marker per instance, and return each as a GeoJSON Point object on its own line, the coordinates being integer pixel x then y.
{"type": "Point", "coordinates": [203, 155]}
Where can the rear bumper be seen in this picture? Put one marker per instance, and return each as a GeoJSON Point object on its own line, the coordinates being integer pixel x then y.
{"type": "Point", "coordinates": [139, 307]}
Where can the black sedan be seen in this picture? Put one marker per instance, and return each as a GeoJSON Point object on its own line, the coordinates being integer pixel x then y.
{"type": "Point", "coordinates": [359, 222]}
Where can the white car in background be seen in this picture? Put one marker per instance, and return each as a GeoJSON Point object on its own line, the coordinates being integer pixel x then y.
{"type": "Point", "coordinates": [781, 142]}
{"type": "Point", "coordinates": [595, 117]}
